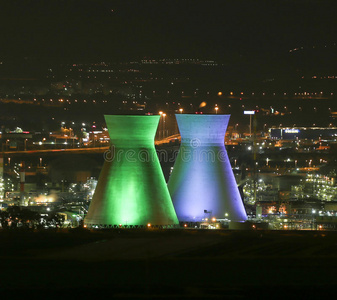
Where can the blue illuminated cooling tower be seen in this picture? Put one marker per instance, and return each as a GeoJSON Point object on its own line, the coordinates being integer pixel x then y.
{"type": "Point", "coordinates": [202, 182]}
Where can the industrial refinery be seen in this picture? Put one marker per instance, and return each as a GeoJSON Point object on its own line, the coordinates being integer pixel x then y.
{"type": "Point", "coordinates": [131, 190]}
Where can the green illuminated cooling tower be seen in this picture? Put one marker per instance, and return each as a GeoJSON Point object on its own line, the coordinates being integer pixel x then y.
{"type": "Point", "coordinates": [131, 189]}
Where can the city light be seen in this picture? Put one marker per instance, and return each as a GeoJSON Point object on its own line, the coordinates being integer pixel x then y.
{"type": "Point", "coordinates": [112, 140]}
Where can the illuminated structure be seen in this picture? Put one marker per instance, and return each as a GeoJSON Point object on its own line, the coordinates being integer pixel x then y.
{"type": "Point", "coordinates": [131, 190]}
{"type": "Point", "coordinates": [301, 133]}
{"type": "Point", "coordinates": [2, 182]}
{"type": "Point", "coordinates": [202, 183]}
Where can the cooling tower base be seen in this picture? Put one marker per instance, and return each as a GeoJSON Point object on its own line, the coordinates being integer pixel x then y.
{"type": "Point", "coordinates": [111, 226]}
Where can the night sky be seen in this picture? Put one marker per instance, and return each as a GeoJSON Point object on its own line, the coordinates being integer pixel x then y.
{"type": "Point", "coordinates": [116, 30]}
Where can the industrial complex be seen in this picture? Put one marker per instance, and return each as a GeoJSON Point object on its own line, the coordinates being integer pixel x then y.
{"type": "Point", "coordinates": [131, 190]}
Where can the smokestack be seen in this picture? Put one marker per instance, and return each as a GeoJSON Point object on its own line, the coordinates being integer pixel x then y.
{"type": "Point", "coordinates": [2, 176]}
{"type": "Point", "coordinates": [22, 177]}
{"type": "Point", "coordinates": [1, 167]}
{"type": "Point", "coordinates": [22, 182]}
{"type": "Point", "coordinates": [202, 183]}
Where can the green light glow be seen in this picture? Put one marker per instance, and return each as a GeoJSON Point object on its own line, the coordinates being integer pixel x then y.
{"type": "Point", "coordinates": [131, 189]}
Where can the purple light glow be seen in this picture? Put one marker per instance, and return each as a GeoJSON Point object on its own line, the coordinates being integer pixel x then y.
{"type": "Point", "coordinates": [202, 178]}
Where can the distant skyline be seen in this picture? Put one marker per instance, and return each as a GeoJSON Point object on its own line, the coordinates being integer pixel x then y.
{"type": "Point", "coordinates": [115, 30]}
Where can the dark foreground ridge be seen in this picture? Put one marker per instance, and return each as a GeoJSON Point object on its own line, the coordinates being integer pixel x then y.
{"type": "Point", "coordinates": [168, 264]}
